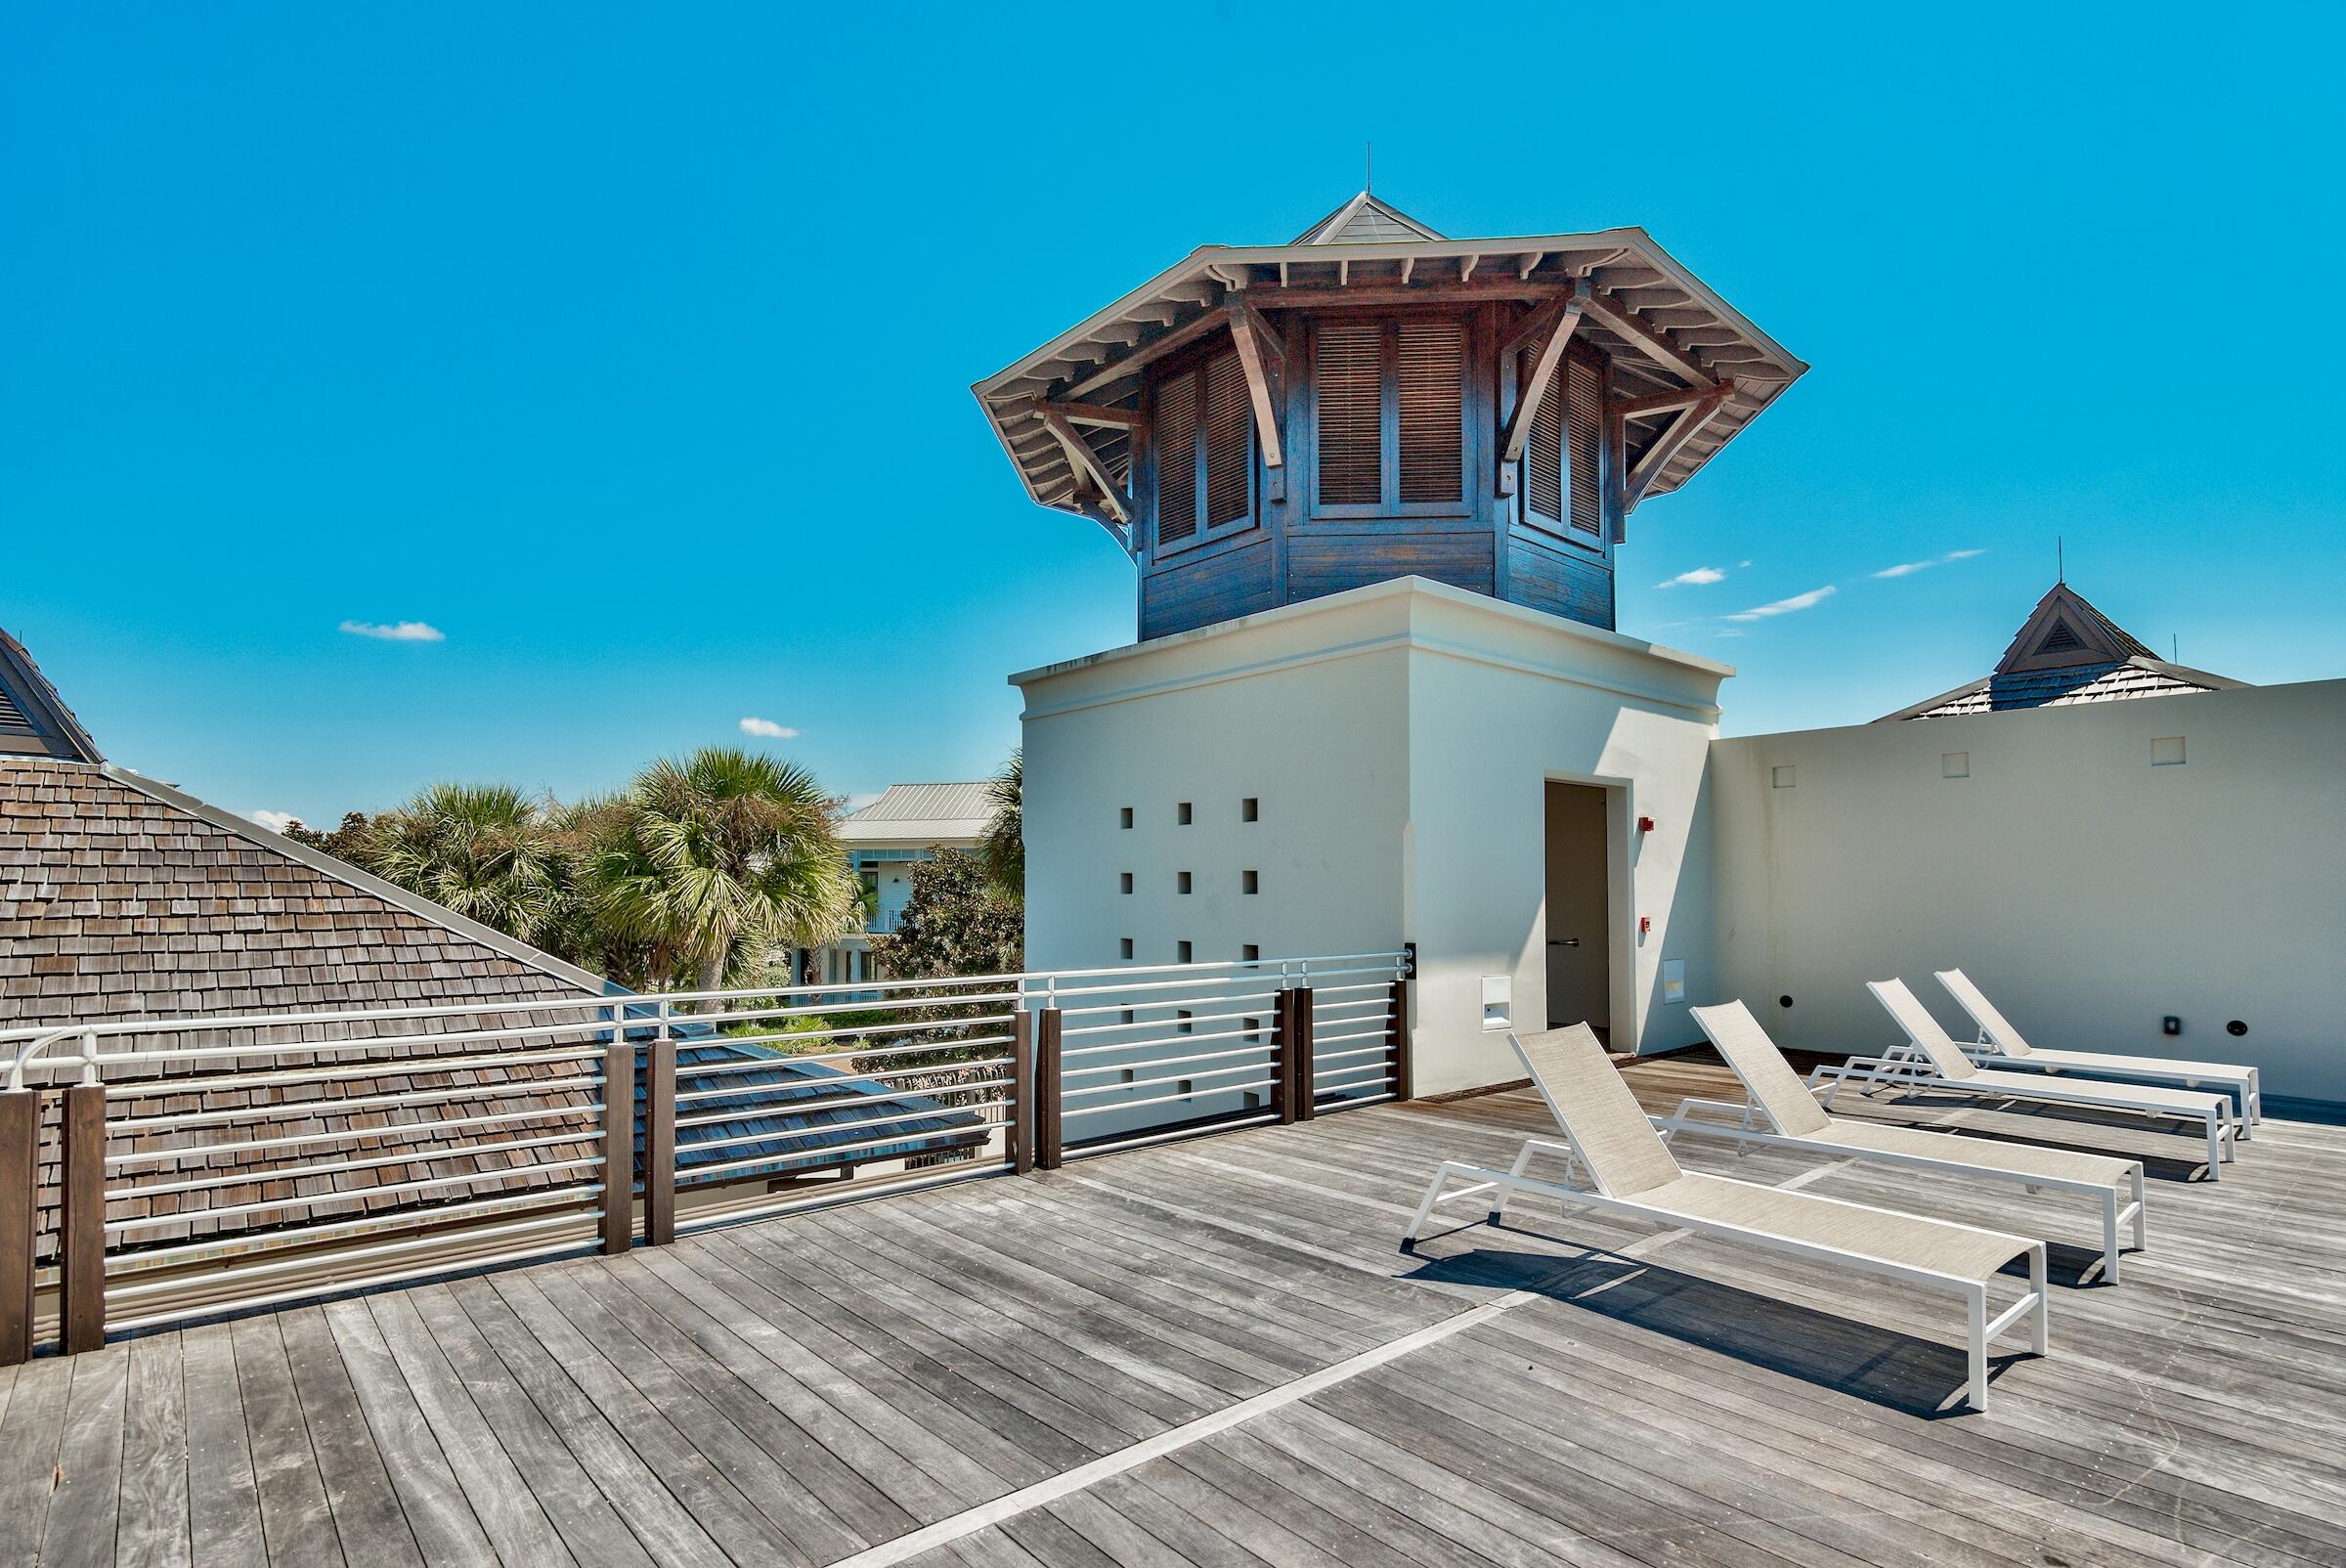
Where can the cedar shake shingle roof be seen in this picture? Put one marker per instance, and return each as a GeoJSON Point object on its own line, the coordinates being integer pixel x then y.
{"type": "Point", "coordinates": [116, 902]}
{"type": "Point", "coordinates": [121, 898]}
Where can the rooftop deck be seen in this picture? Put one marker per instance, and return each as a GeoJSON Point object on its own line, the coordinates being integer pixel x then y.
{"type": "Point", "coordinates": [1213, 1352]}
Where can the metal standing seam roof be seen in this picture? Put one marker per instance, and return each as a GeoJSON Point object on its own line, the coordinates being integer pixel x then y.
{"type": "Point", "coordinates": [923, 813]}
{"type": "Point", "coordinates": [1656, 319]}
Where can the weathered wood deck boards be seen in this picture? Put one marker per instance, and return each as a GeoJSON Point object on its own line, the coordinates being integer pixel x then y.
{"type": "Point", "coordinates": [1577, 1391]}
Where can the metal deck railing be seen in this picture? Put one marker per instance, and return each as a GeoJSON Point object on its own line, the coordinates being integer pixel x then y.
{"type": "Point", "coordinates": [154, 1170]}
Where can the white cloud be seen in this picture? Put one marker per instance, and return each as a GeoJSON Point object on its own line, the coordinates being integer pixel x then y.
{"type": "Point", "coordinates": [274, 821]}
{"type": "Point", "coordinates": [768, 729]}
{"type": "Point", "coordinates": [1695, 579]}
{"type": "Point", "coordinates": [1909, 568]}
{"type": "Point", "coordinates": [397, 631]}
{"type": "Point", "coordinates": [1799, 601]}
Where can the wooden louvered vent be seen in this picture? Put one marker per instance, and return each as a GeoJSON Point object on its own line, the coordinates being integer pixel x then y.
{"type": "Point", "coordinates": [1585, 424]}
{"type": "Point", "coordinates": [1349, 388]}
{"type": "Point", "coordinates": [12, 718]}
{"type": "Point", "coordinates": [1228, 449]}
{"type": "Point", "coordinates": [1176, 429]}
{"type": "Point", "coordinates": [1544, 456]}
{"type": "Point", "coordinates": [1430, 366]}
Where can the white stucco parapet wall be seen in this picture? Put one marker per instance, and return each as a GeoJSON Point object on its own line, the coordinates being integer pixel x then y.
{"type": "Point", "coordinates": [1396, 740]}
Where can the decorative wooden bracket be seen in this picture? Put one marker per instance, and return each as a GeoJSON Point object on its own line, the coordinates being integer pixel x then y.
{"type": "Point", "coordinates": [1088, 466]}
{"type": "Point", "coordinates": [1685, 428]}
{"type": "Point", "coordinates": [1646, 341]}
{"type": "Point", "coordinates": [1101, 414]}
{"type": "Point", "coordinates": [1552, 326]}
{"type": "Point", "coordinates": [1264, 363]}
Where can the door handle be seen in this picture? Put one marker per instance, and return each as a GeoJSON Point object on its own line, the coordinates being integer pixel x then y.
{"type": "Point", "coordinates": [1568, 941]}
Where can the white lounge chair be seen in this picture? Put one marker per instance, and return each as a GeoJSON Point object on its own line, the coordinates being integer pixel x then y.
{"type": "Point", "coordinates": [1999, 1039]}
{"type": "Point", "coordinates": [1931, 1060]}
{"type": "Point", "coordinates": [1775, 1091]}
{"type": "Point", "coordinates": [1634, 1175]}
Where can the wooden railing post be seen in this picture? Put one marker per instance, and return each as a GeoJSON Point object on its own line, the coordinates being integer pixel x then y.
{"type": "Point", "coordinates": [619, 1137]}
{"type": "Point", "coordinates": [660, 1137]}
{"type": "Point", "coordinates": [1050, 1137]}
{"type": "Point", "coordinates": [1022, 1090]}
{"type": "Point", "coordinates": [1283, 1059]}
{"type": "Point", "coordinates": [81, 1221]}
{"type": "Point", "coordinates": [1304, 1097]}
{"type": "Point", "coordinates": [19, 1208]}
{"type": "Point", "coordinates": [1397, 1040]}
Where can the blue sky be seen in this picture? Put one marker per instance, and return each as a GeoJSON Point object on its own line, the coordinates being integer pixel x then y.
{"type": "Point", "coordinates": [629, 348]}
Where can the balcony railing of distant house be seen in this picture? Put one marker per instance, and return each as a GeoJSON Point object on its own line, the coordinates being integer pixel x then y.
{"type": "Point", "coordinates": [157, 1170]}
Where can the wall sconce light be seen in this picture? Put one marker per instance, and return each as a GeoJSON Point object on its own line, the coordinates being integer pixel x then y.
{"type": "Point", "coordinates": [1645, 824]}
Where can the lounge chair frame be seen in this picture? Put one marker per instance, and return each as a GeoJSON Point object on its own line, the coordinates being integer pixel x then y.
{"type": "Point", "coordinates": [1906, 1065]}
{"type": "Point", "coordinates": [2034, 1304]}
{"type": "Point", "coordinates": [1990, 1051]}
{"type": "Point", "coordinates": [2115, 1215]}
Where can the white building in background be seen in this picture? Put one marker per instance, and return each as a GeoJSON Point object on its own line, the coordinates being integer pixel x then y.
{"type": "Point", "coordinates": [1372, 483]}
{"type": "Point", "coordinates": [883, 840]}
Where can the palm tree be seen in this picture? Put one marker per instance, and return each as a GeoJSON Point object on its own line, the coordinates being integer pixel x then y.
{"type": "Point", "coordinates": [484, 851]}
{"type": "Point", "coordinates": [1003, 851]}
{"type": "Point", "coordinates": [723, 856]}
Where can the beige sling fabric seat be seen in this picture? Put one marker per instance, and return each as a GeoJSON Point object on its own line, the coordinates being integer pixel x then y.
{"type": "Point", "coordinates": [1775, 1091]}
{"type": "Point", "coordinates": [1930, 1060]}
{"type": "Point", "coordinates": [2000, 1041]}
{"type": "Point", "coordinates": [1634, 1175]}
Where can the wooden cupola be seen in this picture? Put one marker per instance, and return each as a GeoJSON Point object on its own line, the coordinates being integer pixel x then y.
{"type": "Point", "coordinates": [1259, 425]}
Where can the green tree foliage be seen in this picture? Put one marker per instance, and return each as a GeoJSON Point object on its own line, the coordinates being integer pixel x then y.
{"type": "Point", "coordinates": [706, 869]}
{"type": "Point", "coordinates": [343, 842]}
{"type": "Point", "coordinates": [1003, 852]}
{"type": "Point", "coordinates": [718, 862]}
{"type": "Point", "coordinates": [484, 851]}
{"type": "Point", "coordinates": [957, 922]}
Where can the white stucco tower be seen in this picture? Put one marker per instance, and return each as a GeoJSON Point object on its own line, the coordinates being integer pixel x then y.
{"type": "Point", "coordinates": [1373, 483]}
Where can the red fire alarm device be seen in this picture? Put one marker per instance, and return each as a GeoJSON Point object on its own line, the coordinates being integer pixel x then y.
{"type": "Point", "coordinates": [1645, 924]}
{"type": "Point", "coordinates": [1645, 824]}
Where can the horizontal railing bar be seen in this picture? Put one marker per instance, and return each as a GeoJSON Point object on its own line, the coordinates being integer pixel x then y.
{"type": "Point", "coordinates": [862, 1189]}
{"type": "Point", "coordinates": [861, 1124]}
{"type": "Point", "coordinates": [1166, 1062]}
{"type": "Point", "coordinates": [1161, 1099]}
{"type": "Point", "coordinates": [835, 1009]}
{"type": "Point", "coordinates": [1168, 1135]}
{"type": "Point", "coordinates": [355, 1194]}
{"type": "Point", "coordinates": [296, 1173]}
{"type": "Point", "coordinates": [1338, 1056]}
{"type": "Point", "coordinates": [315, 1232]}
{"type": "Point", "coordinates": [154, 1056]}
{"type": "Point", "coordinates": [827, 1057]}
{"type": "Point", "coordinates": [1177, 1041]}
{"type": "Point", "coordinates": [1340, 1039]}
{"type": "Point", "coordinates": [794, 1108]}
{"type": "Point", "coordinates": [860, 1031]}
{"type": "Point", "coordinates": [452, 1238]}
{"type": "Point", "coordinates": [338, 1287]}
{"type": "Point", "coordinates": [1152, 1083]}
{"type": "Point", "coordinates": [393, 1132]}
{"type": "Point", "coordinates": [639, 1008]}
{"type": "Point", "coordinates": [1356, 1101]}
{"type": "Point", "coordinates": [703, 1173]}
{"type": "Point", "coordinates": [1266, 1011]}
{"type": "Point", "coordinates": [1269, 998]}
{"type": "Point", "coordinates": [1351, 1077]}
{"type": "Point", "coordinates": [211, 1083]}
{"type": "Point", "coordinates": [288, 1110]}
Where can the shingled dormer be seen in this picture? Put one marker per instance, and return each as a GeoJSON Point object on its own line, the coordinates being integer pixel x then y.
{"type": "Point", "coordinates": [1259, 425]}
{"type": "Point", "coordinates": [2067, 652]}
{"type": "Point", "coordinates": [34, 720]}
